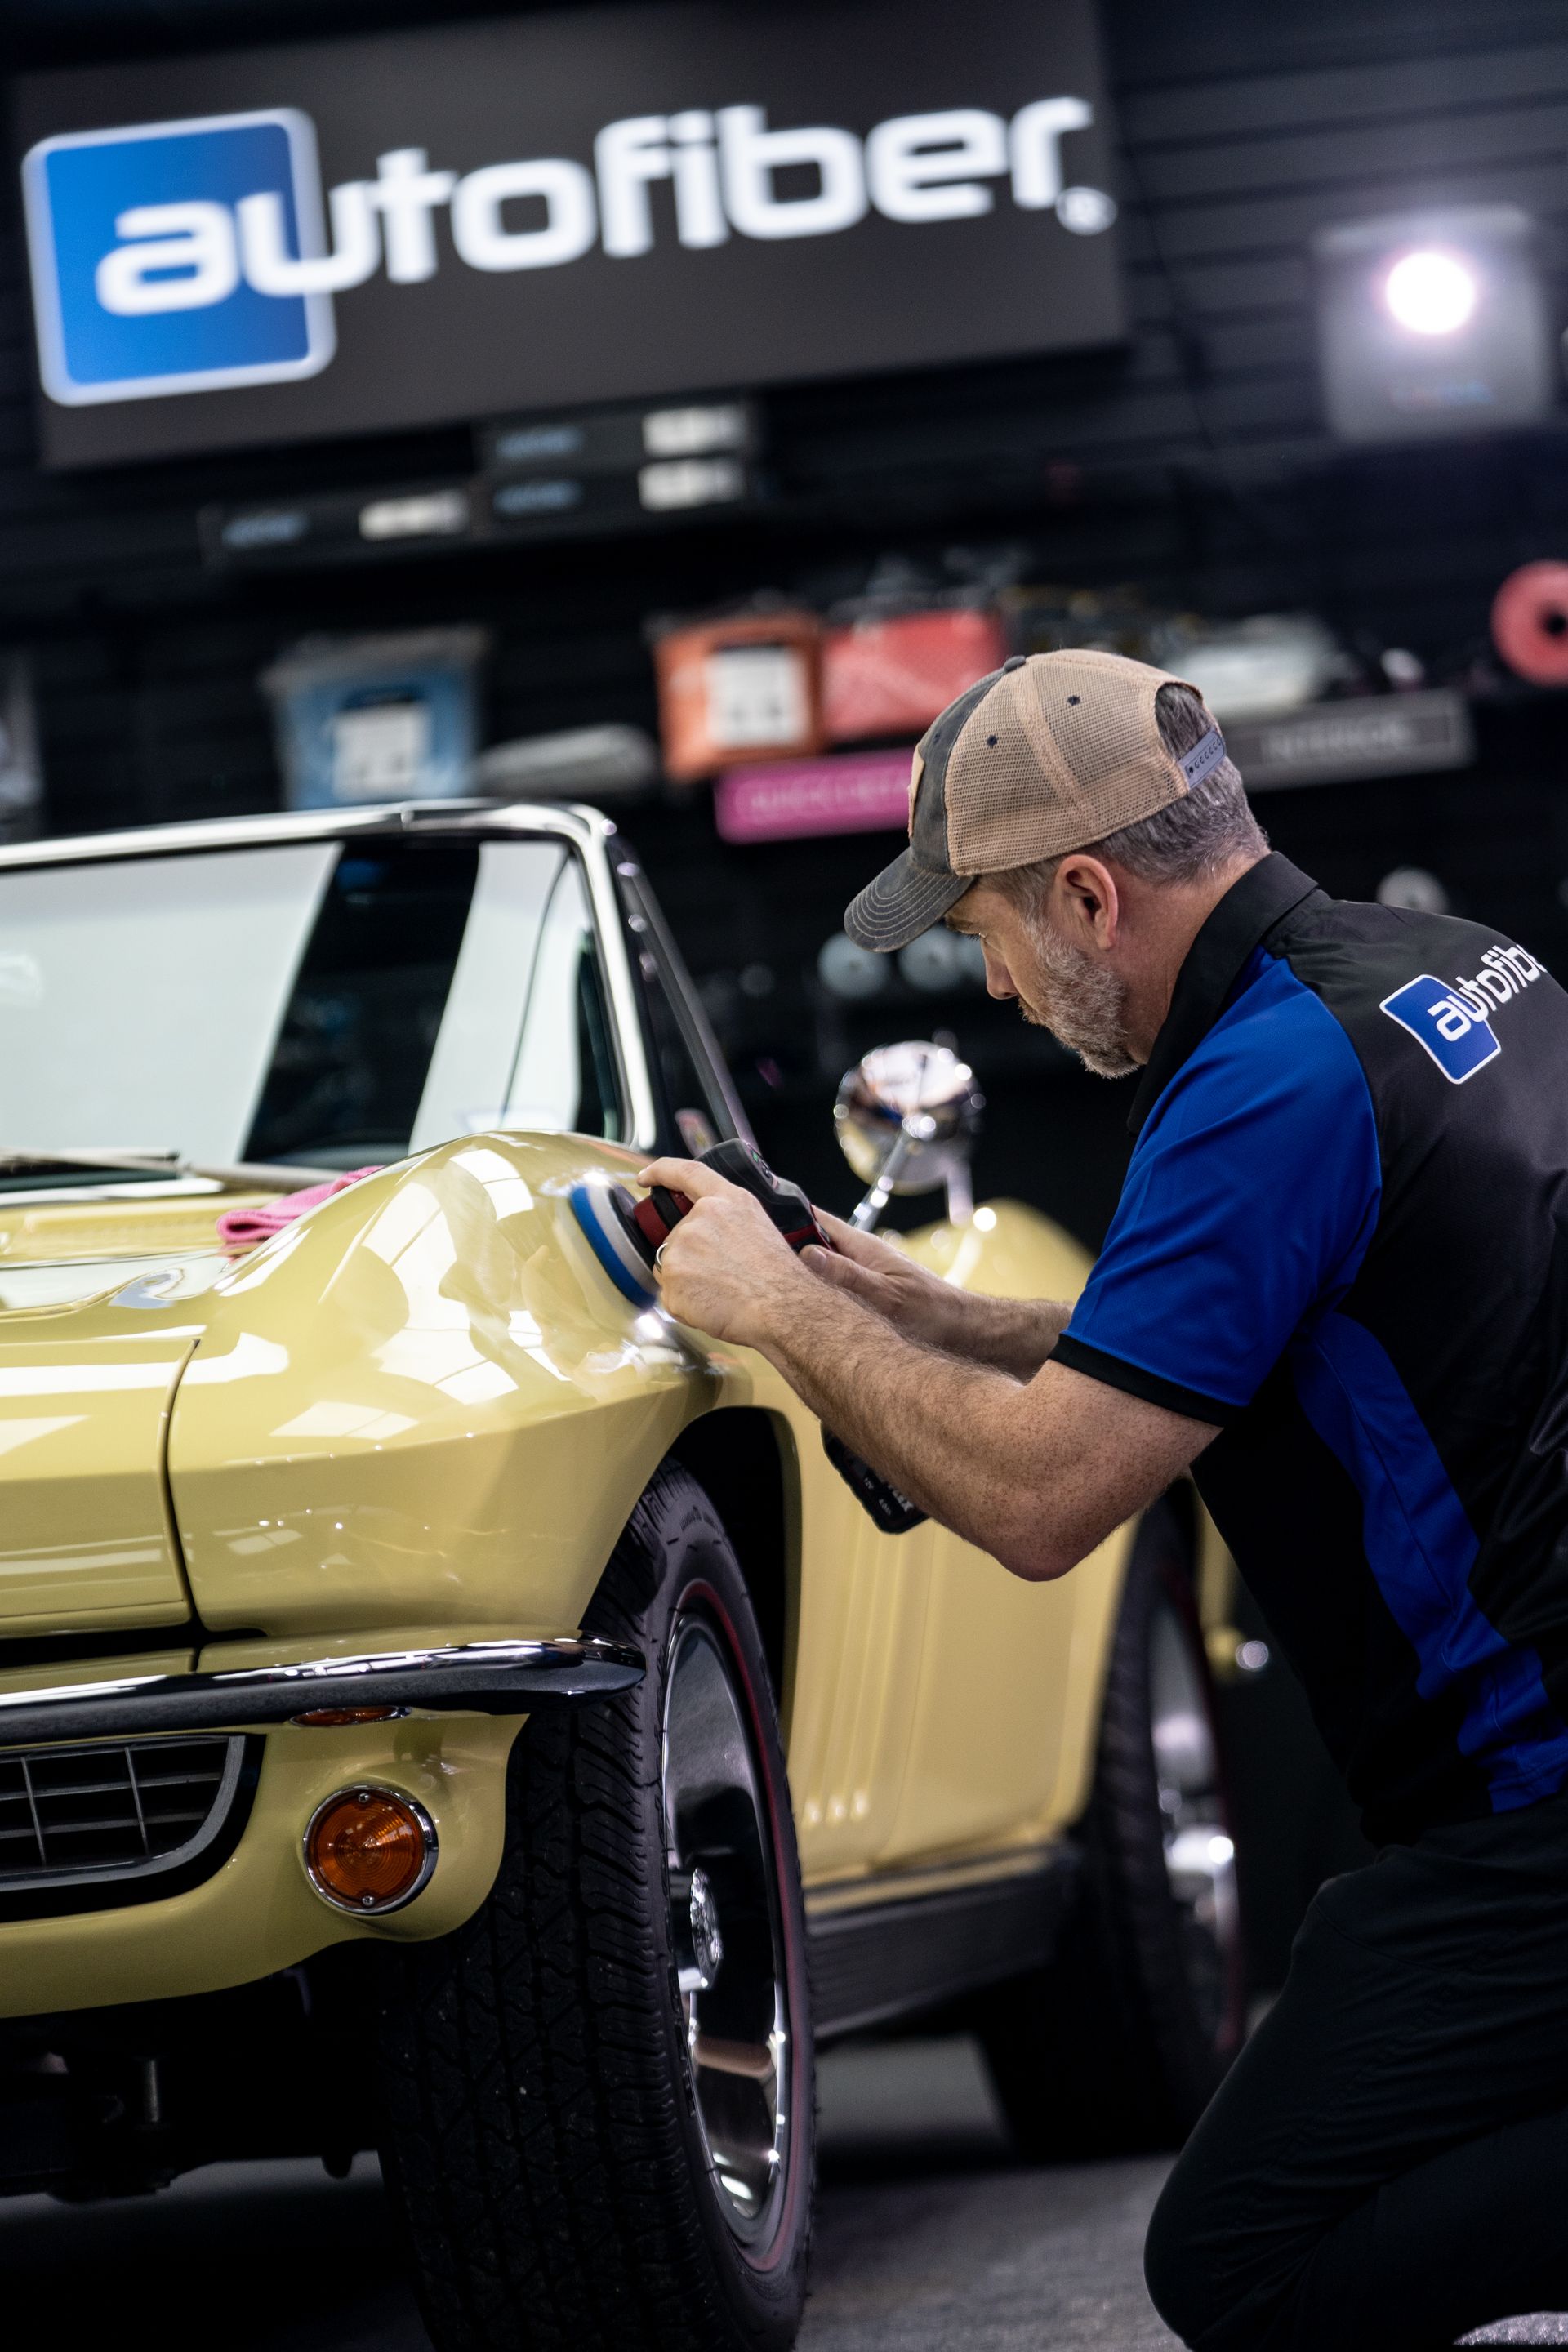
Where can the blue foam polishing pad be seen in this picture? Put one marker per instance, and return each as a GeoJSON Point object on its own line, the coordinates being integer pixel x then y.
{"type": "Point", "coordinates": [595, 1210]}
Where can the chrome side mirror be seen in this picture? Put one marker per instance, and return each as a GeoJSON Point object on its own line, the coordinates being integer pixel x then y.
{"type": "Point", "coordinates": [906, 1117]}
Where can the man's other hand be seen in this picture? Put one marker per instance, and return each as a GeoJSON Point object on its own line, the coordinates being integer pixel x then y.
{"type": "Point", "coordinates": [917, 1303]}
{"type": "Point", "coordinates": [726, 1269]}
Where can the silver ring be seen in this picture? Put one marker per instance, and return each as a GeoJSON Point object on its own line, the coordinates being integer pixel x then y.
{"type": "Point", "coordinates": [659, 1255]}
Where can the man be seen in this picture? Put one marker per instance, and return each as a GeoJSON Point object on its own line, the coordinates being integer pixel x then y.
{"type": "Point", "coordinates": [1336, 1285]}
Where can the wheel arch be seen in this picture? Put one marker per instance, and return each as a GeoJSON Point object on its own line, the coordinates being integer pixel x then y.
{"type": "Point", "coordinates": [744, 1459]}
{"type": "Point", "coordinates": [1104, 1578]}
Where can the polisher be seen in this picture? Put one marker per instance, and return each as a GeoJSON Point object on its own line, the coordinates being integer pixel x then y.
{"type": "Point", "coordinates": [626, 1234]}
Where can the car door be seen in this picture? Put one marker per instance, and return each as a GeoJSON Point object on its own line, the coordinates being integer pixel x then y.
{"type": "Point", "coordinates": [848, 1705]}
{"type": "Point", "coordinates": [1009, 1678]}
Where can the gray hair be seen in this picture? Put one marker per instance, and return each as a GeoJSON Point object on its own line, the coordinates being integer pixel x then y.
{"type": "Point", "coordinates": [1194, 839]}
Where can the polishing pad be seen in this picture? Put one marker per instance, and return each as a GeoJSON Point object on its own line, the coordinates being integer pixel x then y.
{"type": "Point", "coordinates": [604, 1211]}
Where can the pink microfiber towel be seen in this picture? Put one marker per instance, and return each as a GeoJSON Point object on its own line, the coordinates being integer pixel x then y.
{"type": "Point", "coordinates": [242, 1229]}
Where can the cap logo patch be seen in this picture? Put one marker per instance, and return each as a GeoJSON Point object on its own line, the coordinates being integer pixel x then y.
{"type": "Point", "coordinates": [1203, 758]}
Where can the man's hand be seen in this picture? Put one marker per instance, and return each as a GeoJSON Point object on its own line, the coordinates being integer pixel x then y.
{"type": "Point", "coordinates": [726, 1269]}
{"type": "Point", "coordinates": [1012, 1334]}
{"type": "Point", "coordinates": [914, 1301]}
{"type": "Point", "coordinates": [1036, 1469]}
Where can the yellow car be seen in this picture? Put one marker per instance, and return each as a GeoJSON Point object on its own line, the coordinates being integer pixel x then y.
{"type": "Point", "coordinates": [444, 1705]}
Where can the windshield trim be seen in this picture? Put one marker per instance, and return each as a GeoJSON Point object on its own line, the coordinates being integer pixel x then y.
{"type": "Point", "coordinates": [579, 824]}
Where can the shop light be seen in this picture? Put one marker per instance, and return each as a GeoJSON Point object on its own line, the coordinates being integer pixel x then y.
{"type": "Point", "coordinates": [1433, 324]}
{"type": "Point", "coordinates": [1431, 293]}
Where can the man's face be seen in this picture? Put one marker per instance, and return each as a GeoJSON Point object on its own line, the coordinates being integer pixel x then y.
{"type": "Point", "coordinates": [1071, 991]}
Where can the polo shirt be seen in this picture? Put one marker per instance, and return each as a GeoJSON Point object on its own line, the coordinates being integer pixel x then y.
{"type": "Point", "coordinates": [1343, 1241]}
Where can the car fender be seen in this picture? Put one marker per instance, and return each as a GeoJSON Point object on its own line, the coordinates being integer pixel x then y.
{"type": "Point", "coordinates": [424, 1402]}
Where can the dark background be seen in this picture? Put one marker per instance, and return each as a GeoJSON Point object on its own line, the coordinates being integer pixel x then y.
{"type": "Point", "coordinates": [1193, 461]}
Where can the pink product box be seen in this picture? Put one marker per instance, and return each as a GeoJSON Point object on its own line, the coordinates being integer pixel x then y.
{"type": "Point", "coordinates": [791, 800]}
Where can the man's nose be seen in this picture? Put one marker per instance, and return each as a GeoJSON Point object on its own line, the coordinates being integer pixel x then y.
{"type": "Point", "coordinates": [998, 979]}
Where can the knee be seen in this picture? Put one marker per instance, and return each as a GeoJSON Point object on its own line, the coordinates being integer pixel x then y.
{"type": "Point", "coordinates": [1178, 2265]}
{"type": "Point", "coordinates": [1168, 2266]}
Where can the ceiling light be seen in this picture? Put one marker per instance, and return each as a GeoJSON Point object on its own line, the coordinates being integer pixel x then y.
{"type": "Point", "coordinates": [1434, 324]}
{"type": "Point", "coordinates": [1430, 293]}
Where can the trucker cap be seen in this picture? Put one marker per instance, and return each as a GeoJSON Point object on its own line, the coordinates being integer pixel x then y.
{"type": "Point", "coordinates": [1047, 754]}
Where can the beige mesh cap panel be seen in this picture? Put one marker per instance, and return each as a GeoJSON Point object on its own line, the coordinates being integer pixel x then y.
{"type": "Point", "coordinates": [1046, 755]}
{"type": "Point", "coordinates": [1061, 752]}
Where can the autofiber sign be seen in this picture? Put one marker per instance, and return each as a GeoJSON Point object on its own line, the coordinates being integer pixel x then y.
{"type": "Point", "coordinates": [592, 205]}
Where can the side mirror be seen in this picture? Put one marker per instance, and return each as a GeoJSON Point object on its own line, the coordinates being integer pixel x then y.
{"type": "Point", "coordinates": [906, 1117]}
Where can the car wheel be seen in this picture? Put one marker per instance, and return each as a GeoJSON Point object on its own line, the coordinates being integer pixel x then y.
{"type": "Point", "coordinates": [598, 2092]}
{"type": "Point", "coordinates": [1121, 2043]}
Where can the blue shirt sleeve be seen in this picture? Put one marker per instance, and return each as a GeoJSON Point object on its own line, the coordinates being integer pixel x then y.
{"type": "Point", "coordinates": [1251, 1197]}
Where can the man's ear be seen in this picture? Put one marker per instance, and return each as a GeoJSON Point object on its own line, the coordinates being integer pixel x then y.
{"type": "Point", "coordinates": [1089, 905]}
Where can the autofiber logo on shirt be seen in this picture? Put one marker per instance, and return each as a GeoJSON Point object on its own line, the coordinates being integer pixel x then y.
{"type": "Point", "coordinates": [140, 241]}
{"type": "Point", "coordinates": [181, 257]}
{"type": "Point", "coordinates": [1452, 1021]}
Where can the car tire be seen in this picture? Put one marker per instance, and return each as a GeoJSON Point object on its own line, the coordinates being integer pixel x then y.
{"type": "Point", "coordinates": [1119, 2046]}
{"type": "Point", "coordinates": [598, 2093]}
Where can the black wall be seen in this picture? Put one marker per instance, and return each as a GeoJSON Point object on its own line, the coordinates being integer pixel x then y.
{"type": "Point", "coordinates": [1194, 463]}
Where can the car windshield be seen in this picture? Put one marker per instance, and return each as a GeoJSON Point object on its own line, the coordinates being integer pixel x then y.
{"type": "Point", "coordinates": [325, 1002]}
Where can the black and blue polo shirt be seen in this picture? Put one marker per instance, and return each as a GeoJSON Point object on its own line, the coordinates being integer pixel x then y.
{"type": "Point", "coordinates": [1343, 1238]}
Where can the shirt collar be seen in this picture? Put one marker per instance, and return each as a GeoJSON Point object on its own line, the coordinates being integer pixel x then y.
{"type": "Point", "coordinates": [1248, 911]}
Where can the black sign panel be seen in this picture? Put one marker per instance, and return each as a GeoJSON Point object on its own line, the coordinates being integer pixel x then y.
{"type": "Point", "coordinates": [610, 204]}
{"type": "Point", "coordinates": [1374, 735]}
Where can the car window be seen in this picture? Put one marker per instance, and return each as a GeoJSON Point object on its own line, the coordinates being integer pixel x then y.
{"type": "Point", "coordinates": [699, 1120]}
{"type": "Point", "coordinates": [141, 997]}
{"type": "Point", "coordinates": [699, 1105]}
{"type": "Point", "coordinates": [330, 1003]}
{"type": "Point", "coordinates": [449, 986]}
{"type": "Point", "coordinates": [525, 1039]}
{"type": "Point", "coordinates": [364, 1017]}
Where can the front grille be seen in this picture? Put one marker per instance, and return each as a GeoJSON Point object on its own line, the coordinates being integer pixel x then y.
{"type": "Point", "coordinates": [132, 1808]}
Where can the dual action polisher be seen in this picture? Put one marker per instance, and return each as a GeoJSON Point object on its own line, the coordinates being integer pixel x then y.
{"type": "Point", "coordinates": [625, 1236]}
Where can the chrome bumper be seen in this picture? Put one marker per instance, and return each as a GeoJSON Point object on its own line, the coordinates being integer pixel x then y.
{"type": "Point", "coordinates": [470, 1678]}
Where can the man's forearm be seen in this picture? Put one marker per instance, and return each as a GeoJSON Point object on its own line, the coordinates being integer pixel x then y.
{"type": "Point", "coordinates": [1016, 1336]}
{"type": "Point", "coordinates": [1036, 1472]}
{"type": "Point", "coordinates": [931, 1421]}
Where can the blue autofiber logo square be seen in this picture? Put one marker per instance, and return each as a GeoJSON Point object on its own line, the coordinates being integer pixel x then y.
{"type": "Point", "coordinates": [1460, 1039]}
{"type": "Point", "coordinates": [132, 238]}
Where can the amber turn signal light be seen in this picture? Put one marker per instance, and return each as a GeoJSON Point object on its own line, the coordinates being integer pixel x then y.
{"type": "Point", "coordinates": [369, 1850]}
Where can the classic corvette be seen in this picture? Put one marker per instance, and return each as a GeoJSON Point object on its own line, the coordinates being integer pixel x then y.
{"type": "Point", "coordinates": [447, 1706]}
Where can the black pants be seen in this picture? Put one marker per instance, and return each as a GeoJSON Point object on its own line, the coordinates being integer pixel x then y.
{"type": "Point", "coordinates": [1386, 2166]}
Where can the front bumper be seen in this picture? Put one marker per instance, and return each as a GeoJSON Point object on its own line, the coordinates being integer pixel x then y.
{"type": "Point", "coordinates": [258, 1913]}
{"type": "Point", "coordinates": [483, 1677]}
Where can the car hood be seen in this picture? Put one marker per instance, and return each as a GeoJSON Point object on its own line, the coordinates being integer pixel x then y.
{"type": "Point", "coordinates": [379, 1415]}
{"type": "Point", "coordinates": [101, 1309]}
{"type": "Point", "coordinates": [76, 1246]}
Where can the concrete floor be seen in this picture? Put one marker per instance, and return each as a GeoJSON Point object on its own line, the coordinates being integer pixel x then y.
{"type": "Point", "coordinates": [929, 2238]}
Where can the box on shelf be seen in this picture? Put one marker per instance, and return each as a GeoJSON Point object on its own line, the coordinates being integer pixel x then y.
{"type": "Point", "coordinates": [737, 689]}
{"type": "Point", "coordinates": [892, 676]}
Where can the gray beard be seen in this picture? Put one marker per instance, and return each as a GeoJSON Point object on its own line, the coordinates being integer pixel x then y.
{"type": "Point", "coordinates": [1088, 1003]}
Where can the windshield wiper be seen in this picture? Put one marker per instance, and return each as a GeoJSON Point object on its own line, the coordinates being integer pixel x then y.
{"type": "Point", "coordinates": [237, 1175]}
